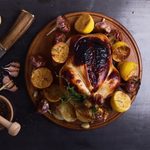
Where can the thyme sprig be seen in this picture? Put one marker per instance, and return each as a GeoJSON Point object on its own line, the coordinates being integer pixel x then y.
{"type": "Point", "coordinates": [71, 93]}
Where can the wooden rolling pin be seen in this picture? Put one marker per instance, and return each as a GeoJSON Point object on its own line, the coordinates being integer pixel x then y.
{"type": "Point", "coordinates": [12, 127]}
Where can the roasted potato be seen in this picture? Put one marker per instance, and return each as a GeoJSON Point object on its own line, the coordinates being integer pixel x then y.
{"type": "Point", "coordinates": [84, 114]}
{"type": "Point", "coordinates": [67, 111]}
{"type": "Point", "coordinates": [56, 113]}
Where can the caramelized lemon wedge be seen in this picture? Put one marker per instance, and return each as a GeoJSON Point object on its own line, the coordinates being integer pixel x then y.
{"type": "Point", "coordinates": [120, 51]}
{"type": "Point", "coordinates": [41, 78]}
{"type": "Point", "coordinates": [120, 101]}
{"type": "Point", "coordinates": [84, 24]}
{"type": "Point", "coordinates": [127, 69]}
{"type": "Point", "coordinates": [60, 52]}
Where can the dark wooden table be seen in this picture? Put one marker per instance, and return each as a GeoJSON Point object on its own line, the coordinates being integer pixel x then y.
{"type": "Point", "coordinates": [130, 132]}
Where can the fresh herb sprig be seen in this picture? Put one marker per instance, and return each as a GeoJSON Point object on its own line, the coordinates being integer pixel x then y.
{"type": "Point", "coordinates": [71, 93]}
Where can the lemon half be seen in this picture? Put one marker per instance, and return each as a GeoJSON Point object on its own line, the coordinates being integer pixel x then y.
{"type": "Point", "coordinates": [127, 69]}
{"type": "Point", "coordinates": [120, 101]}
{"type": "Point", "coordinates": [41, 78]}
{"type": "Point", "coordinates": [84, 24]}
{"type": "Point", "coordinates": [120, 51]}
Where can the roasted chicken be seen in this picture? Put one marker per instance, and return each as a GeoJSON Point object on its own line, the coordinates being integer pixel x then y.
{"type": "Point", "coordinates": [90, 67]}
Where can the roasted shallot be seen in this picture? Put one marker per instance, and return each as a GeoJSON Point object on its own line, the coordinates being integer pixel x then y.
{"type": "Point", "coordinates": [43, 106]}
{"type": "Point", "coordinates": [38, 61]}
{"type": "Point", "coordinates": [62, 24]}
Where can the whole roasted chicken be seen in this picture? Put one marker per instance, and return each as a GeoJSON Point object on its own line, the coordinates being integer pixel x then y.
{"type": "Point", "coordinates": [90, 67]}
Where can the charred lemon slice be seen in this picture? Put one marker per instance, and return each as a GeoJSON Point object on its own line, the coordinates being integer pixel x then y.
{"type": "Point", "coordinates": [120, 101]}
{"type": "Point", "coordinates": [127, 69]}
{"type": "Point", "coordinates": [41, 78]}
{"type": "Point", "coordinates": [84, 24]}
{"type": "Point", "coordinates": [120, 51]}
{"type": "Point", "coordinates": [60, 52]}
{"type": "Point", "coordinates": [67, 111]}
{"type": "Point", "coordinates": [53, 93]}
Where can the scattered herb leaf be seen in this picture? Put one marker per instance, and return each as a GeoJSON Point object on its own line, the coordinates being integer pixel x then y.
{"type": "Point", "coordinates": [71, 93]}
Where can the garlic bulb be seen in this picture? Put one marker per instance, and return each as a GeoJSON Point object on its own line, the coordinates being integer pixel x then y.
{"type": "Point", "coordinates": [12, 68]}
{"type": "Point", "coordinates": [8, 84]}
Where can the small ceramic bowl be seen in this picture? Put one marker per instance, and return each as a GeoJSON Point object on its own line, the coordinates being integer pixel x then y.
{"type": "Point", "coordinates": [6, 109]}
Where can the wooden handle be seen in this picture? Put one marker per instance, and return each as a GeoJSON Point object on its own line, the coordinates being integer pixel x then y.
{"type": "Point", "coordinates": [22, 23]}
{"type": "Point", "coordinates": [13, 127]}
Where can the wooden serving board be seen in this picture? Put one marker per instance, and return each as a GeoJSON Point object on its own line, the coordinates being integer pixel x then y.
{"type": "Point", "coordinates": [42, 45]}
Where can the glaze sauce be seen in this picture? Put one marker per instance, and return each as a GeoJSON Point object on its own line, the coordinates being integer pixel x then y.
{"type": "Point", "coordinates": [94, 53]}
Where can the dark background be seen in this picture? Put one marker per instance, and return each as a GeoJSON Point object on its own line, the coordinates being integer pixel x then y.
{"type": "Point", "coordinates": [129, 132]}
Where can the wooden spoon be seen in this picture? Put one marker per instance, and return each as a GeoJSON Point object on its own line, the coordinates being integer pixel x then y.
{"type": "Point", "coordinates": [12, 127]}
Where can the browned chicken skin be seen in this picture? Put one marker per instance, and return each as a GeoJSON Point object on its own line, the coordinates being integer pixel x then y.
{"type": "Point", "coordinates": [90, 69]}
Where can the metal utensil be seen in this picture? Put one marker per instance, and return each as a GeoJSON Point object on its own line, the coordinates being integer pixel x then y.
{"type": "Point", "coordinates": [21, 25]}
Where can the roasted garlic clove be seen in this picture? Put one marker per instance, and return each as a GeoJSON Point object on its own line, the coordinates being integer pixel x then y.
{"type": "Point", "coordinates": [102, 26]}
{"type": "Point", "coordinates": [8, 84]}
{"type": "Point", "coordinates": [13, 89]}
{"type": "Point", "coordinates": [85, 125]}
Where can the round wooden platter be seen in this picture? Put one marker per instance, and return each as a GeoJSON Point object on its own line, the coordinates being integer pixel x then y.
{"type": "Point", "coordinates": [42, 45]}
